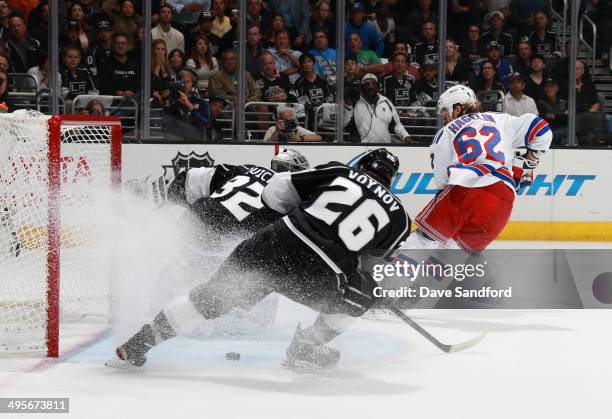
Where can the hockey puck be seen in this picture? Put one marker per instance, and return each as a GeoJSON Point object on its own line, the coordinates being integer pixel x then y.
{"type": "Point", "coordinates": [232, 356]}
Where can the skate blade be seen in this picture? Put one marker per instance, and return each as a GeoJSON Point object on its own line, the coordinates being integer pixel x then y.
{"type": "Point", "coordinates": [120, 364]}
{"type": "Point", "coordinates": [304, 366]}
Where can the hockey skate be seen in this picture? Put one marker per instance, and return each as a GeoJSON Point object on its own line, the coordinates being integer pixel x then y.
{"type": "Point", "coordinates": [131, 355]}
{"type": "Point", "coordinates": [305, 354]}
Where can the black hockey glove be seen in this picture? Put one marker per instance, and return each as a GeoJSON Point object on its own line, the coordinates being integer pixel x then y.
{"type": "Point", "coordinates": [356, 292]}
{"type": "Point", "coordinates": [176, 189]}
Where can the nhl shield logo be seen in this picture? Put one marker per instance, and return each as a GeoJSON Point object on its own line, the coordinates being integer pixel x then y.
{"type": "Point", "coordinates": [187, 161]}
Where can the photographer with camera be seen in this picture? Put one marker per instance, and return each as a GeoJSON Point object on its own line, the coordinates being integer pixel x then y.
{"type": "Point", "coordinates": [288, 130]}
{"type": "Point", "coordinates": [185, 115]}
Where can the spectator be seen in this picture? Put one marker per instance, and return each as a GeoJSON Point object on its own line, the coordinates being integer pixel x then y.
{"type": "Point", "coordinates": [203, 28]}
{"type": "Point", "coordinates": [4, 97]}
{"type": "Point", "coordinates": [177, 60]}
{"type": "Point", "coordinates": [409, 30]}
{"type": "Point", "coordinates": [473, 49]}
{"type": "Point", "coordinates": [161, 74]}
{"type": "Point", "coordinates": [297, 17]}
{"type": "Point", "coordinates": [385, 25]}
{"type": "Point", "coordinates": [230, 39]}
{"type": "Point", "coordinates": [325, 57]}
{"type": "Point", "coordinates": [254, 47]}
{"type": "Point", "coordinates": [322, 20]}
{"type": "Point", "coordinates": [186, 115]}
{"type": "Point", "coordinates": [426, 87]}
{"type": "Point", "coordinates": [274, 86]}
{"type": "Point", "coordinates": [287, 60]}
{"type": "Point", "coordinates": [523, 59]}
{"type": "Point", "coordinates": [120, 75]}
{"type": "Point", "coordinates": [502, 66]}
{"type": "Point", "coordinates": [23, 7]}
{"type": "Point", "coordinates": [352, 81]}
{"type": "Point", "coordinates": [311, 90]}
{"type": "Point", "coordinates": [374, 116]}
{"type": "Point", "coordinates": [496, 33]}
{"type": "Point", "coordinates": [173, 38]}
{"type": "Point", "coordinates": [94, 108]}
{"type": "Point", "coordinates": [125, 20]}
{"type": "Point", "coordinates": [398, 86]}
{"type": "Point", "coordinates": [287, 129]}
{"type": "Point", "coordinates": [543, 42]}
{"type": "Point", "coordinates": [5, 13]}
{"type": "Point", "coordinates": [554, 110]}
{"type": "Point", "coordinates": [86, 32]}
{"type": "Point", "coordinates": [369, 36]}
{"type": "Point", "coordinates": [516, 103]}
{"type": "Point", "coordinates": [221, 24]}
{"type": "Point", "coordinates": [255, 14]}
{"type": "Point", "coordinates": [102, 50]}
{"type": "Point", "coordinates": [537, 75]}
{"type": "Point", "coordinates": [456, 70]}
{"type": "Point", "coordinates": [76, 80]}
{"type": "Point", "coordinates": [367, 60]}
{"type": "Point", "coordinates": [277, 24]}
{"type": "Point", "coordinates": [560, 71]}
{"type": "Point", "coordinates": [427, 50]}
{"type": "Point", "coordinates": [41, 73]}
{"type": "Point", "coordinates": [586, 94]}
{"type": "Point", "coordinates": [523, 14]}
{"type": "Point", "coordinates": [487, 79]}
{"type": "Point", "coordinates": [23, 48]}
{"type": "Point", "coordinates": [462, 14]}
{"type": "Point", "coordinates": [202, 62]}
{"type": "Point", "coordinates": [5, 64]}
{"type": "Point", "coordinates": [93, 13]}
{"type": "Point", "coordinates": [402, 48]}
{"type": "Point", "coordinates": [188, 12]}
{"type": "Point", "coordinates": [38, 25]}
{"type": "Point", "coordinates": [214, 128]}
{"type": "Point", "coordinates": [222, 83]}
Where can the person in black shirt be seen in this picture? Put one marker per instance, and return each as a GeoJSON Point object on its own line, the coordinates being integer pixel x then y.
{"type": "Point", "coordinates": [554, 110]}
{"type": "Point", "coordinates": [102, 50]}
{"type": "Point", "coordinates": [543, 42]}
{"type": "Point", "coordinates": [398, 86]}
{"type": "Point", "coordinates": [25, 50]}
{"type": "Point", "coordinates": [428, 49]}
{"type": "Point", "coordinates": [274, 86]}
{"type": "Point", "coordinates": [120, 75]}
{"type": "Point", "coordinates": [76, 80]}
{"type": "Point", "coordinates": [496, 33]}
{"type": "Point", "coordinates": [254, 48]}
{"type": "Point", "coordinates": [311, 90]}
{"type": "Point", "coordinates": [426, 88]}
{"type": "Point", "coordinates": [523, 57]}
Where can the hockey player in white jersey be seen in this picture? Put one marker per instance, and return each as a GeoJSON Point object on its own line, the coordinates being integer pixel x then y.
{"type": "Point", "coordinates": [477, 172]}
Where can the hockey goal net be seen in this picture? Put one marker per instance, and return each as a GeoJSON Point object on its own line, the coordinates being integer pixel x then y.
{"type": "Point", "coordinates": [57, 175]}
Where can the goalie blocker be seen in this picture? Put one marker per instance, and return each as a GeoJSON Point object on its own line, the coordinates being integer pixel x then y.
{"type": "Point", "coordinates": [334, 214]}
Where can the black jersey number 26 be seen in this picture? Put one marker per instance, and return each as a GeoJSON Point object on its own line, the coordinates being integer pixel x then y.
{"type": "Point", "coordinates": [356, 229]}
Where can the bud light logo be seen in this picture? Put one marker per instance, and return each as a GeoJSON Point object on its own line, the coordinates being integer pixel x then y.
{"type": "Point", "coordinates": [543, 185]}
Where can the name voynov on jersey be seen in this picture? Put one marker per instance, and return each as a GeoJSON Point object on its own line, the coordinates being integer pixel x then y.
{"type": "Point", "coordinates": [339, 212]}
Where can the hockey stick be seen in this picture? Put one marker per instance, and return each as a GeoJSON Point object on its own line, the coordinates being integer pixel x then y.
{"type": "Point", "coordinates": [443, 347]}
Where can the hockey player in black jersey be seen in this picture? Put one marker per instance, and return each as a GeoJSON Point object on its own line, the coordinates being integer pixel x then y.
{"type": "Point", "coordinates": [335, 213]}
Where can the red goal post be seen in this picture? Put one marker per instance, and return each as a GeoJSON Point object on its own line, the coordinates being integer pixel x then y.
{"type": "Point", "coordinates": [57, 176]}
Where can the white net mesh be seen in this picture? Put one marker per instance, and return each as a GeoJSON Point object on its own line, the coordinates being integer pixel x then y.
{"type": "Point", "coordinates": [85, 209]}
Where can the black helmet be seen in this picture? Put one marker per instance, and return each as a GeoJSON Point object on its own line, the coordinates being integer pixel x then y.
{"type": "Point", "coordinates": [381, 163]}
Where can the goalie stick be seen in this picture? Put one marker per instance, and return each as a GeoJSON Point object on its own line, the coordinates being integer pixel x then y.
{"type": "Point", "coordinates": [443, 347]}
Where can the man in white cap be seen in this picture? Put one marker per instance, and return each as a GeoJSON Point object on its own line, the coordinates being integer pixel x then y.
{"type": "Point", "coordinates": [374, 115]}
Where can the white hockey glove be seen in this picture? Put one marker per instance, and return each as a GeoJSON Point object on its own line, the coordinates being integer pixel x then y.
{"type": "Point", "coordinates": [523, 166]}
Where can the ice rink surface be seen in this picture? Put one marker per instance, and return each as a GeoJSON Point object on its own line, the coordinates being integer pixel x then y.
{"type": "Point", "coordinates": [532, 364]}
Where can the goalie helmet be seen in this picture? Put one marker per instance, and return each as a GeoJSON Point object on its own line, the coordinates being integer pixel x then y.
{"type": "Point", "coordinates": [456, 95]}
{"type": "Point", "coordinates": [289, 160]}
{"type": "Point", "coordinates": [383, 164]}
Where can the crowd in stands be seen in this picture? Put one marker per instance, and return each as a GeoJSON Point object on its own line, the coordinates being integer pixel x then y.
{"type": "Point", "coordinates": [503, 49]}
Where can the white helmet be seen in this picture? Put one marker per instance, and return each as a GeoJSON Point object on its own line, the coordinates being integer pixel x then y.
{"type": "Point", "coordinates": [289, 160]}
{"type": "Point", "coordinates": [456, 95]}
